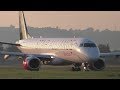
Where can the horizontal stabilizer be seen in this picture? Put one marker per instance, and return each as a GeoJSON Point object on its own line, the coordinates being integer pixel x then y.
{"type": "Point", "coordinates": [10, 43]}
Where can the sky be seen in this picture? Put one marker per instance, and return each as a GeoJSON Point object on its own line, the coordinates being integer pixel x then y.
{"type": "Point", "coordinates": [64, 19]}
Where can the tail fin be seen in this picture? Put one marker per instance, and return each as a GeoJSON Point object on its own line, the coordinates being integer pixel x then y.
{"type": "Point", "coordinates": [22, 26]}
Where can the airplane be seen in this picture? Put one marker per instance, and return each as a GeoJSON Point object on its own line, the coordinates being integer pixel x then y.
{"type": "Point", "coordinates": [79, 52]}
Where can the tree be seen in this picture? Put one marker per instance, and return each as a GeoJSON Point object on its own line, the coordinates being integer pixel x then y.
{"type": "Point", "coordinates": [104, 48]}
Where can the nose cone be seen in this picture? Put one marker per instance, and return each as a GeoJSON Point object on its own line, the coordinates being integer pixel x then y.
{"type": "Point", "coordinates": [91, 53]}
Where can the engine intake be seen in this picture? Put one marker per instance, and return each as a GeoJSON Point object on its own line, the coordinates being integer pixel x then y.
{"type": "Point", "coordinates": [31, 63]}
{"type": "Point", "coordinates": [98, 65]}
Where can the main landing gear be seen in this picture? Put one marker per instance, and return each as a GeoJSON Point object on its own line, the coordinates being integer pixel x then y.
{"type": "Point", "coordinates": [76, 67]}
{"type": "Point", "coordinates": [80, 66]}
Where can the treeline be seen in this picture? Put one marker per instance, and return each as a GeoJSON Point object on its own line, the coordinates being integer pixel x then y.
{"type": "Point", "coordinates": [104, 48]}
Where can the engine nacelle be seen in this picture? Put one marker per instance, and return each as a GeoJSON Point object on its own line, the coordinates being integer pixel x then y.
{"type": "Point", "coordinates": [97, 65]}
{"type": "Point", "coordinates": [31, 63]}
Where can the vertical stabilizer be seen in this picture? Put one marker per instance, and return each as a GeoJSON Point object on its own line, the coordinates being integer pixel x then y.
{"type": "Point", "coordinates": [22, 26]}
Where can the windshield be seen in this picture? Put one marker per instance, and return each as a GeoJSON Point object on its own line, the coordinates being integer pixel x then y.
{"type": "Point", "coordinates": [87, 45]}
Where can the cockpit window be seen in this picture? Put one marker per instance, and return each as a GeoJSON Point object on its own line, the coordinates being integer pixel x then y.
{"type": "Point", "coordinates": [89, 45]}
{"type": "Point", "coordinates": [81, 45]}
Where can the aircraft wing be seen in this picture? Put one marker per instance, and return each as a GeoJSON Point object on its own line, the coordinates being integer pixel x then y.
{"type": "Point", "coordinates": [41, 55]}
{"type": "Point", "coordinates": [10, 43]}
{"type": "Point", "coordinates": [111, 54]}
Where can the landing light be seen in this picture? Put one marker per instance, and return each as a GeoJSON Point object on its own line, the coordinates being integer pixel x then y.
{"type": "Point", "coordinates": [52, 56]}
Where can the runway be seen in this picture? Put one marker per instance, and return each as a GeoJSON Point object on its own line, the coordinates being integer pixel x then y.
{"type": "Point", "coordinates": [13, 69]}
{"type": "Point", "coordinates": [58, 72]}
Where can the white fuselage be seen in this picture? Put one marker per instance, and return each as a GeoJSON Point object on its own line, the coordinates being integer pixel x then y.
{"type": "Point", "coordinates": [70, 49]}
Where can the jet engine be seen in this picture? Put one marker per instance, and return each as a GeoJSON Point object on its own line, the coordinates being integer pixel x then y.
{"type": "Point", "coordinates": [97, 65]}
{"type": "Point", "coordinates": [31, 63]}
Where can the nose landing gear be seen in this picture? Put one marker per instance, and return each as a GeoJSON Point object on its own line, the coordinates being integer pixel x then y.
{"type": "Point", "coordinates": [85, 66]}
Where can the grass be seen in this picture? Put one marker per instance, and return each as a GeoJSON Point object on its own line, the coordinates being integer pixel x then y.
{"type": "Point", "coordinates": [57, 72]}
